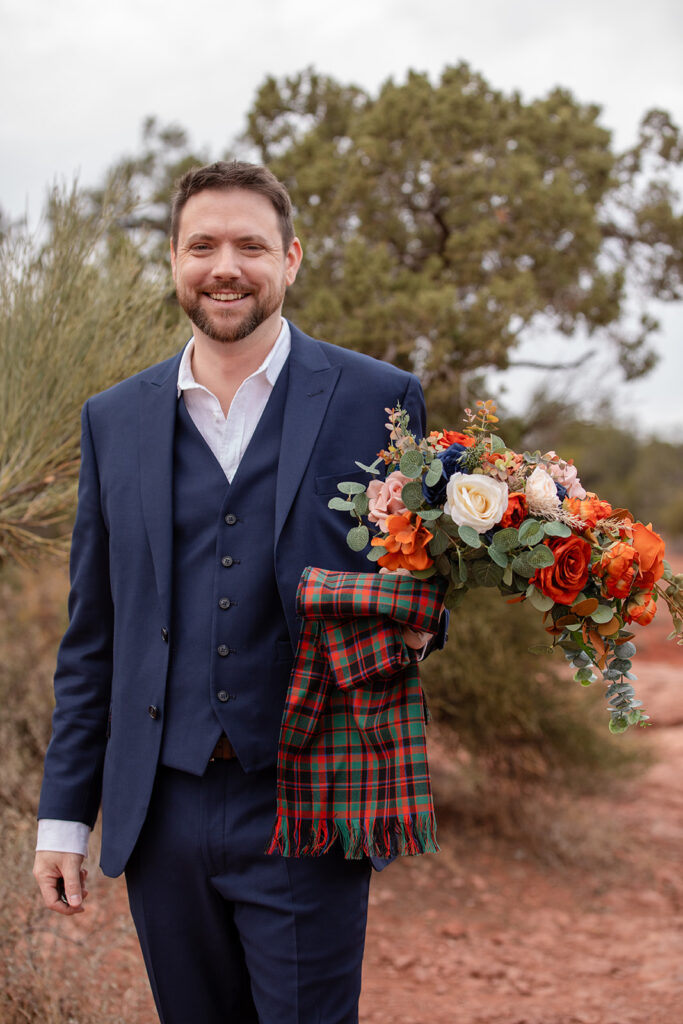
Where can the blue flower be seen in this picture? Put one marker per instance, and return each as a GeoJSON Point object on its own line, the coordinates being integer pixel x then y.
{"type": "Point", "coordinates": [561, 491]}
{"type": "Point", "coordinates": [450, 460]}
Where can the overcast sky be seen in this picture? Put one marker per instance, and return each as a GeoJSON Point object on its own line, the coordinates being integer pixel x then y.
{"type": "Point", "coordinates": [77, 79]}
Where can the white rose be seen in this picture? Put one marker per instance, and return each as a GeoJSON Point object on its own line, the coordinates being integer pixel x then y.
{"type": "Point", "coordinates": [475, 500]}
{"type": "Point", "coordinates": [540, 489]}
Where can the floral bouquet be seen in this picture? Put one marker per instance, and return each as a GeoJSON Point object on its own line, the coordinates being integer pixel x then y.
{"type": "Point", "coordinates": [464, 506]}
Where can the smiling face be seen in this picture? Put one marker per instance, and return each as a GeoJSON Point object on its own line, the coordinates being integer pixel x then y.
{"type": "Point", "coordinates": [229, 267]}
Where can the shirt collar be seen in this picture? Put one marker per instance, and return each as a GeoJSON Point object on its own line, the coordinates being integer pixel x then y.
{"type": "Point", "coordinates": [270, 367]}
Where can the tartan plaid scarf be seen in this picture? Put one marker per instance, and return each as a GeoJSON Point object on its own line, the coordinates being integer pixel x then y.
{"type": "Point", "coordinates": [352, 760]}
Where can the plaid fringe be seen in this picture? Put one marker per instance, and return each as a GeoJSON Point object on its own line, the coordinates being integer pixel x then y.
{"type": "Point", "coordinates": [407, 837]}
{"type": "Point", "coordinates": [352, 757]}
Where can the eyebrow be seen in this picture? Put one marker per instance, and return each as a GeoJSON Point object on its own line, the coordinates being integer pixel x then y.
{"type": "Point", "coordinates": [201, 236]}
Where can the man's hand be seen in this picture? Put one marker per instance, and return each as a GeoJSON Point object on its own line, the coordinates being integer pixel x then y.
{"type": "Point", "coordinates": [417, 639]}
{"type": "Point", "coordinates": [49, 869]}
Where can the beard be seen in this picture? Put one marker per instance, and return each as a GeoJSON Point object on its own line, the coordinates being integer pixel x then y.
{"type": "Point", "coordinates": [227, 331]}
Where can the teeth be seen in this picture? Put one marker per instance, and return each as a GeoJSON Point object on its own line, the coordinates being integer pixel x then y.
{"type": "Point", "coordinates": [227, 296]}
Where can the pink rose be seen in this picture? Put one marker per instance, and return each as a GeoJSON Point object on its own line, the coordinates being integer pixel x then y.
{"type": "Point", "coordinates": [564, 473]}
{"type": "Point", "coordinates": [385, 498]}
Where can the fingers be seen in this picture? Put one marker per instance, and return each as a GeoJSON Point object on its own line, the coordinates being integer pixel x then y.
{"type": "Point", "coordinates": [415, 638]}
{"type": "Point", "coordinates": [61, 880]}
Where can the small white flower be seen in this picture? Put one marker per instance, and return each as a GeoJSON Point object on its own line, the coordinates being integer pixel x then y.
{"type": "Point", "coordinates": [475, 500]}
{"type": "Point", "coordinates": [540, 490]}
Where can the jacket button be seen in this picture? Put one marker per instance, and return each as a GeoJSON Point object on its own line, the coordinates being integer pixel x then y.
{"type": "Point", "coordinates": [224, 696]}
{"type": "Point", "coordinates": [226, 561]}
{"type": "Point", "coordinates": [153, 711]}
{"type": "Point", "coordinates": [231, 519]}
{"type": "Point", "coordinates": [164, 633]}
{"type": "Point", "coordinates": [224, 603]}
{"type": "Point", "coordinates": [223, 650]}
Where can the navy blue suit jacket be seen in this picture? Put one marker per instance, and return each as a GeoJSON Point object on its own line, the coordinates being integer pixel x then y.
{"type": "Point", "coordinates": [113, 661]}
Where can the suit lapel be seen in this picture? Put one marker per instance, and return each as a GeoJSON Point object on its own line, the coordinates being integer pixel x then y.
{"type": "Point", "coordinates": [158, 401]}
{"type": "Point", "coordinates": [311, 383]}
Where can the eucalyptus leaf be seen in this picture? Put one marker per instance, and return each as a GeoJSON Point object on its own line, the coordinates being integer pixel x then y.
{"type": "Point", "coordinates": [424, 574]}
{"type": "Point", "coordinates": [411, 464]}
{"type": "Point", "coordinates": [486, 573]}
{"type": "Point", "coordinates": [507, 576]}
{"type": "Point", "coordinates": [498, 556]}
{"type": "Point", "coordinates": [542, 557]}
{"type": "Point", "coordinates": [603, 613]}
{"type": "Point", "coordinates": [523, 566]}
{"type": "Point", "coordinates": [439, 543]}
{"type": "Point", "coordinates": [618, 724]}
{"type": "Point", "coordinates": [469, 536]}
{"type": "Point", "coordinates": [434, 473]}
{"type": "Point", "coordinates": [376, 552]}
{"type": "Point", "coordinates": [530, 532]}
{"type": "Point", "coordinates": [358, 537]}
{"type": "Point", "coordinates": [430, 514]}
{"type": "Point", "coordinates": [620, 665]}
{"type": "Point", "coordinates": [361, 504]}
{"type": "Point", "coordinates": [554, 528]}
{"type": "Point", "coordinates": [443, 565]}
{"type": "Point", "coordinates": [370, 469]}
{"type": "Point", "coordinates": [540, 649]}
{"type": "Point", "coordinates": [506, 539]}
{"type": "Point", "coordinates": [351, 487]}
{"type": "Point", "coordinates": [541, 602]}
{"type": "Point", "coordinates": [626, 650]}
{"type": "Point", "coordinates": [411, 495]}
{"type": "Point", "coordinates": [497, 444]}
{"type": "Point", "coordinates": [340, 505]}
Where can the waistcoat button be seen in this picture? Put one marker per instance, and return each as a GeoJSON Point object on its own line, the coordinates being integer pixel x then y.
{"type": "Point", "coordinates": [223, 650]}
{"type": "Point", "coordinates": [231, 519]}
{"type": "Point", "coordinates": [153, 711]}
{"type": "Point", "coordinates": [226, 561]}
{"type": "Point", "coordinates": [223, 696]}
{"type": "Point", "coordinates": [224, 603]}
{"type": "Point", "coordinates": [164, 633]}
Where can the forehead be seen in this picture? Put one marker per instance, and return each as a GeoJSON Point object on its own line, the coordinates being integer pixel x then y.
{"type": "Point", "coordinates": [234, 212]}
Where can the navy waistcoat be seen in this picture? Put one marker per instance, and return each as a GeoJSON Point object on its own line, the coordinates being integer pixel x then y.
{"type": "Point", "coordinates": [231, 654]}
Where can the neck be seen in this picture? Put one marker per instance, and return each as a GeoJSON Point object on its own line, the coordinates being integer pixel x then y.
{"type": "Point", "coordinates": [223, 366]}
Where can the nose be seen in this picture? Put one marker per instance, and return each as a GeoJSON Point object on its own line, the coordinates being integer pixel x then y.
{"type": "Point", "coordinates": [226, 264]}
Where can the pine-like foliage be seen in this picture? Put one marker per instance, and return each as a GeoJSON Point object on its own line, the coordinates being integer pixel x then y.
{"type": "Point", "coordinates": [78, 311]}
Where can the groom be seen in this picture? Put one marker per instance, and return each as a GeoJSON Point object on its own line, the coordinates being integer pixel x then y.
{"type": "Point", "coordinates": [203, 495]}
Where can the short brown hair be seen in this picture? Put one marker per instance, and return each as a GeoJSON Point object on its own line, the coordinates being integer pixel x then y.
{"type": "Point", "coordinates": [224, 175]}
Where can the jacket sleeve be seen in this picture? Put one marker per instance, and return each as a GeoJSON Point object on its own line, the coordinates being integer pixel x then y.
{"type": "Point", "coordinates": [73, 766]}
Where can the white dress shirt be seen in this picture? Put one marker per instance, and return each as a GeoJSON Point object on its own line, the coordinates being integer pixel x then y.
{"type": "Point", "coordinates": [227, 437]}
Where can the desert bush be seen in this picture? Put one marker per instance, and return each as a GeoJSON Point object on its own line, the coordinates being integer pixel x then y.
{"type": "Point", "coordinates": [79, 311]}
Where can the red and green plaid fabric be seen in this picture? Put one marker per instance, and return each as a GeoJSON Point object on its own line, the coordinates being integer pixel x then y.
{"type": "Point", "coordinates": [352, 762]}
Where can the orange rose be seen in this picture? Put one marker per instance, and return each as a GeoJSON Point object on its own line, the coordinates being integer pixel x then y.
{"type": "Point", "coordinates": [650, 548]}
{"type": "Point", "coordinates": [406, 544]}
{"type": "Point", "coordinates": [641, 608]}
{"type": "Point", "coordinates": [591, 508]}
{"type": "Point", "coordinates": [517, 509]}
{"type": "Point", "coordinates": [617, 569]}
{"type": "Point", "coordinates": [564, 580]}
{"type": "Point", "coordinates": [445, 438]}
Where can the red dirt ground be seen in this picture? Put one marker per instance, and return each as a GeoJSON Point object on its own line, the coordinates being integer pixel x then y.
{"type": "Point", "coordinates": [489, 932]}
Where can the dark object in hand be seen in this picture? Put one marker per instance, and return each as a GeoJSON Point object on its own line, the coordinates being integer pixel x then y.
{"type": "Point", "coordinates": [61, 891]}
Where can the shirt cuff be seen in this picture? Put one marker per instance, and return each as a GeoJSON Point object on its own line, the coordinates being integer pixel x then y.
{"type": "Point", "coordinates": [63, 836]}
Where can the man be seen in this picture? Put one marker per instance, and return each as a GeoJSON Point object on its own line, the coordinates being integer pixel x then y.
{"type": "Point", "coordinates": [203, 495]}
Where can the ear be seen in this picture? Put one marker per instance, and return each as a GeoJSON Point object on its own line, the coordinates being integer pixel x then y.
{"type": "Point", "coordinates": [293, 261]}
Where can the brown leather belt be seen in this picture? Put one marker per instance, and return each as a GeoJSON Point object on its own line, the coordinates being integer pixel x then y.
{"type": "Point", "coordinates": [223, 751]}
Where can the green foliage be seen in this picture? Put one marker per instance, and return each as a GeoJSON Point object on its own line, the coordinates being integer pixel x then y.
{"type": "Point", "coordinates": [512, 708]}
{"type": "Point", "coordinates": [79, 311]}
{"type": "Point", "coordinates": [440, 219]}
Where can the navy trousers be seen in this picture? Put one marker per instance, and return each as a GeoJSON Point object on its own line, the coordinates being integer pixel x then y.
{"type": "Point", "coordinates": [229, 935]}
